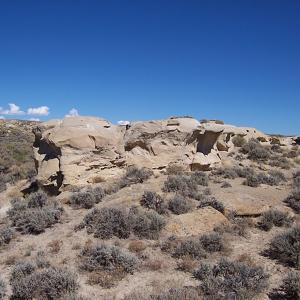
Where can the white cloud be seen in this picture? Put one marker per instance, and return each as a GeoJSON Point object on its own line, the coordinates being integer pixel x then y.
{"type": "Point", "coordinates": [13, 110]}
{"type": "Point", "coordinates": [2, 117]}
{"type": "Point", "coordinates": [38, 111]}
{"type": "Point", "coordinates": [34, 119]}
{"type": "Point", "coordinates": [72, 113]}
{"type": "Point", "coordinates": [123, 123]}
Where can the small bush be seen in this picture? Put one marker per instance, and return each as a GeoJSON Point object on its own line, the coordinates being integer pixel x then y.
{"type": "Point", "coordinates": [293, 200]}
{"type": "Point", "coordinates": [212, 242]}
{"type": "Point", "coordinates": [273, 178]}
{"type": "Point", "coordinates": [199, 178]}
{"type": "Point", "coordinates": [212, 202]}
{"type": "Point", "coordinates": [255, 150]}
{"type": "Point", "coordinates": [225, 185]}
{"type": "Point", "coordinates": [185, 293]}
{"type": "Point", "coordinates": [146, 224]}
{"type": "Point", "coordinates": [296, 179]}
{"type": "Point", "coordinates": [107, 258]}
{"type": "Point", "coordinates": [107, 222]}
{"type": "Point", "coordinates": [174, 169]}
{"type": "Point", "coordinates": [238, 141]}
{"type": "Point", "coordinates": [82, 200]}
{"type": "Point", "coordinates": [244, 172]}
{"type": "Point", "coordinates": [179, 205]}
{"type": "Point", "coordinates": [2, 288]}
{"type": "Point", "coordinates": [274, 217]}
{"type": "Point", "coordinates": [153, 201]}
{"type": "Point", "coordinates": [290, 288]}
{"type": "Point", "coordinates": [191, 247]}
{"type": "Point", "coordinates": [135, 175]}
{"type": "Point", "coordinates": [50, 283]}
{"type": "Point", "coordinates": [180, 184]}
{"type": "Point", "coordinates": [6, 235]}
{"type": "Point", "coordinates": [231, 280]}
{"type": "Point", "coordinates": [37, 199]}
{"type": "Point", "coordinates": [280, 162]}
{"type": "Point", "coordinates": [286, 248]}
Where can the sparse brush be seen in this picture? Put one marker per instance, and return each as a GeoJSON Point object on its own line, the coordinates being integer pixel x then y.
{"type": "Point", "coordinates": [153, 201]}
{"type": "Point", "coordinates": [274, 217]}
{"type": "Point", "coordinates": [135, 175]}
{"type": "Point", "coordinates": [146, 224]}
{"type": "Point", "coordinates": [290, 287]}
{"type": "Point", "coordinates": [285, 247]}
{"type": "Point", "coordinates": [212, 242]}
{"type": "Point", "coordinates": [6, 235]}
{"type": "Point", "coordinates": [180, 184]}
{"type": "Point", "coordinates": [180, 205]}
{"type": "Point", "coordinates": [231, 280]}
{"type": "Point", "coordinates": [191, 247]}
{"type": "Point", "coordinates": [238, 141]}
{"type": "Point", "coordinates": [3, 289]}
{"type": "Point", "coordinates": [37, 199]}
{"type": "Point", "coordinates": [293, 200]}
{"type": "Point", "coordinates": [212, 202]}
{"type": "Point", "coordinates": [200, 178]}
{"type": "Point", "coordinates": [185, 293]}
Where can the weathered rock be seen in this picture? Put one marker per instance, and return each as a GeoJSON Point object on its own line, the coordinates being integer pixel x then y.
{"type": "Point", "coordinates": [197, 222]}
{"type": "Point", "coordinates": [76, 150]}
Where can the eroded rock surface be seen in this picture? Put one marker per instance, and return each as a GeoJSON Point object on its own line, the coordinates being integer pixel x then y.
{"type": "Point", "coordinates": [80, 150]}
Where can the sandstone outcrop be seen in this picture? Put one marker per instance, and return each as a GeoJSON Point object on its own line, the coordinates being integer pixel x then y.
{"type": "Point", "coordinates": [80, 150]}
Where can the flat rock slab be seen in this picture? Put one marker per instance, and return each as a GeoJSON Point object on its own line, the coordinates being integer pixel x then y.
{"type": "Point", "coordinates": [197, 222]}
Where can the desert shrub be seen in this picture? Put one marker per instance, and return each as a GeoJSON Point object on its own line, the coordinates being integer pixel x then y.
{"type": "Point", "coordinates": [273, 178]}
{"type": "Point", "coordinates": [199, 178]}
{"type": "Point", "coordinates": [2, 288]}
{"type": "Point", "coordinates": [212, 202]}
{"type": "Point", "coordinates": [6, 235]}
{"type": "Point", "coordinates": [285, 247]}
{"type": "Point", "coordinates": [153, 201]}
{"type": "Point", "coordinates": [212, 242]}
{"type": "Point", "coordinates": [137, 246]}
{"type": "Point", "coordinates": [146, 224]}
{"type": "Point", "coordinates": [276, 148]}
{"type": "Point", "coordinates": [191, 247]}
{"type": "Point", "coordinates": [238, 141]}
{"type": "Point", "coordinates": [274, 217]}
{"type": "Point", "coordinates": [179, 205]}
{"type": "Point", "coordinates": [41, 260]}
{"type": "Point", "coordinates": [49, 283]}
{"type": "Point", "coordinates": [107, 258]}
{"type": "Point", "coordinates": [243, 172]}
{"type": "Point", "coordinates": [34, 220]}
{"type": "Point", "coordinates": [175, 169]}
{"type": "Point", "coordinates": [225, 185]}
{"type": "Point", "coordinates": [277, 175]}
{"type": "Point", "coordinates": [293, 200]}
{"type": "Point", "coordinates": [180, 184]}
{"type": "Point", "coordinates": [229, 173]}
{"type": "Point", "coordinates": [37, 199]}
{"type": "Point", "coordinates": [107, 222]}
{"type": "Point", "coordinates": [280, 162]}
{"type": "Point", "coordinates": [185, 293]}
{"type": "Point", "coordinates": [135, 175]}
{"type": "Point", "coordinates": [98, 193]}
{"type": "Point", "coordinates": [296, 179]}
{"type": "Point", "coordinates": [82, 200]}
{"type": "Point", "coordinates": [255, 150]}
{"type": "Point", "coordinates": [231, 280]}
{"type": "Point", "coordinates": [290, 287]}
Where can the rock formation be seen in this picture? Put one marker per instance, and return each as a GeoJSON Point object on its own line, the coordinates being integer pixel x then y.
{"type": "Point", "coordinates": [80, 150]}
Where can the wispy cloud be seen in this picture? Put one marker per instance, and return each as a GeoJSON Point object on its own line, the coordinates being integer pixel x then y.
{"type": "Point", "coordinates": [123, 123]}
{"type": "Point", "coordinates": [13, 110]}
{"type": "Point", "coordinates": [72, 113]}
{"type": "Point", "coordinates": [34, 119]}
{"type": "Point", "coordinates": [38, 111]}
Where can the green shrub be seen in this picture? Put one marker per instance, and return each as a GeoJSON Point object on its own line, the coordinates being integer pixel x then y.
{"type": "Point", "coordinates": [290, 288]}
{"type": "Point", "coordinates": [293, 200]}
{"type": "Point", "coordinates": [232, 280]}
{"type": "Point", "coordinates": [135, 175]}
{"type": "Point", "coordinates": [199, 178]}
{"type": "Point", "coordinates": [34, 220]}
{"type": "Point", "coordinates": [6, 235]}
{"type": "Point", "coordinates": [285, 247]}
{"type": "Point", "coordinates": [146, 224]}
{"type": "Point", "coordinates": [274, 217]}
{"type": "Point", "coordinates": [238, 141]}
{"type": "Point", "coordinates": [152, 200]}
{"type": "Point", "coordinates": [27, 282]}
{"type": "Point", "coordinates": [181, 184]}
{"type": "Point", "coordinates": [108, 258]}
{"type": "Point", "coordinates": [179, 205]}
{"type": "Point", "coordinates": [107, 222]}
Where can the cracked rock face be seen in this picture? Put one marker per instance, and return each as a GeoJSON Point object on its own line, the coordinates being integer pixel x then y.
{"type": "Point", "coordinates": [82, 150]}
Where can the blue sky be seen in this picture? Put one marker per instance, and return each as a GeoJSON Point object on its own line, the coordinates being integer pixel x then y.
{"type": "Point", "coordinates": [136, 60]}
